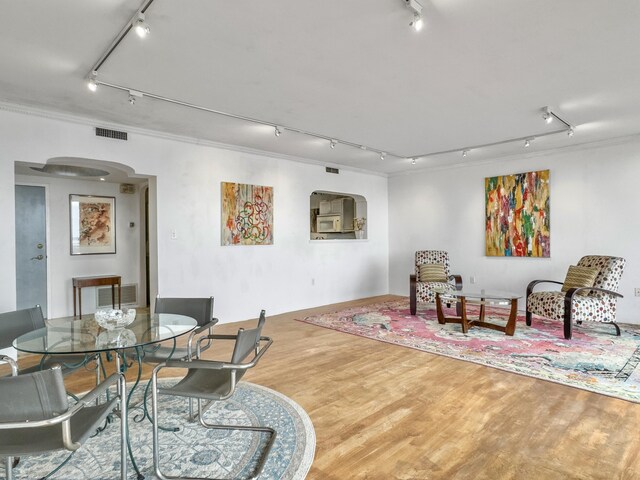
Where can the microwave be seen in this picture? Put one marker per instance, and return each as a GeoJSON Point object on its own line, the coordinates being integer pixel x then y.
{"type": "Point", "coordinates": [329, 223]}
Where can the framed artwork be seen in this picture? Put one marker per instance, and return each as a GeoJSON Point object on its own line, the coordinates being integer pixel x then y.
{"type": "Point", "coordinates": [517, 215]}
{"type": "Point", "coordinates": [93, 224]}
{"type": "Point", "coordinates": [247, 214]}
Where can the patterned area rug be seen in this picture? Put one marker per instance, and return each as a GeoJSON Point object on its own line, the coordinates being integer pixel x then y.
{"type": "Point", "coordinates": [595, 359]}
{"type": "Point", "coordinates": [194, 450]}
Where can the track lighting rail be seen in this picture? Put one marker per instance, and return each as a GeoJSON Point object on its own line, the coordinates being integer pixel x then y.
{"type": "Point", "coordinates": [139, 18]}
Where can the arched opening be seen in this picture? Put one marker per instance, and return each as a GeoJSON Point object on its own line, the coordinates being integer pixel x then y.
{"type": "Point", "coordinates": [337, 216]}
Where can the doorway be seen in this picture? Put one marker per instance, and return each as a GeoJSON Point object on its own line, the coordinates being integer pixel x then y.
{"type": "Point", "coordinates": [31, 247]}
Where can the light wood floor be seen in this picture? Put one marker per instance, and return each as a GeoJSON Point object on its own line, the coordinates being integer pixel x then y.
{"type": "Point", "coordinates": [382, 411]}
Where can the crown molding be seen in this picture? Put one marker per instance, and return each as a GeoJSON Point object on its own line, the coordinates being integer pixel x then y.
{"type": "Point", "coordinates": [93, 122]}
{"type": "Point", "coordinates": [512, 157]}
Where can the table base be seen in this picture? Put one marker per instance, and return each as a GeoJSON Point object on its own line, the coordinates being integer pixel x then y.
{"type": "Point", "coordinates": [467, 323]}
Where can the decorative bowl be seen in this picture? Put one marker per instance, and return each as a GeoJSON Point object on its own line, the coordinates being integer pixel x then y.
{"type": "Point", "coordinates": [111, 319]}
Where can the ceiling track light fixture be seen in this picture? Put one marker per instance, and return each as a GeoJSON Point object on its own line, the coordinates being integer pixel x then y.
{"type": "Point", "coordinates": [417, 23]}
{"type": "Point", "coordinates": [549, 116]}
{"type": "Point", "coordinates": [134, 95]}
{"type": "Point", "coordinates": [140, 26]}
{"type": "Point", "coordinates": [566, 128]}
{"type": "Point", "coordinates": [92, 84]}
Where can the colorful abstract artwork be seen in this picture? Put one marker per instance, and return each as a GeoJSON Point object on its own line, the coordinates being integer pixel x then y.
{"type": "Point", "coordinates": [517, 215]}
{"type": "Point", "coordinates": [247, 214]}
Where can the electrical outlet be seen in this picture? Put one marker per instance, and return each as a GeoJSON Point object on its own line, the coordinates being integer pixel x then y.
{"type": "Point", "coordinates": [637, 292]}
{"type": "Point", "coordinates": [174, 235]}
{"type": "Point", "coordinates": [472, 279]}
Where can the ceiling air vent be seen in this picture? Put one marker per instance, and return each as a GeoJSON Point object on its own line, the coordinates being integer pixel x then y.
{"type": "Point", "coordinates": [105, 132]}
{"type": "Point", "coordinates": [332, 170]}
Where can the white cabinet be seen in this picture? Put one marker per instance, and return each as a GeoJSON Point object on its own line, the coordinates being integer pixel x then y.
{"type": "Point", "coordinates": [336, 215]}
{"type": "Point", "coordinates": [325, 207]}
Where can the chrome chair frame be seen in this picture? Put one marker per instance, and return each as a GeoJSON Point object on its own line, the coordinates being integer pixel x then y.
{"type": "Point", "coordinates": [233, 369]}
{"type": "Point", "coordinates": [168, 305]}
{"type": "Point", "coordinates": [64, 419]}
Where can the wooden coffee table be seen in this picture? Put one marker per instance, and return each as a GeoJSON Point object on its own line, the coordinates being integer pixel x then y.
{"type": "Point", "coordinates": [481, 298]}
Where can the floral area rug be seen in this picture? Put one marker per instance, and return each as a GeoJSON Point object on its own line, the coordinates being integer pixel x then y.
{"type": "Point", "coordinates": [594, 359]}
{"type": "Point", "coordinates": [195, 451]}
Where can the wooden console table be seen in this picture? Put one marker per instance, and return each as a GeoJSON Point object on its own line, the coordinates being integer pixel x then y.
{"type": "Point", "coordinates": [98, 281]}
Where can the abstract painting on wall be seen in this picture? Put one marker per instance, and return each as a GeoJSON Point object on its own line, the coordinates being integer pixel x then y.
{"type": "Point", "coordinates": [93, 226]}
{"type": "Point", "coordinates": [517, 215]}
{"type": "Point", "coordinates": [247, 214]}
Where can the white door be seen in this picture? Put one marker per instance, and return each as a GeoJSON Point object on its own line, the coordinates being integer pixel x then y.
{"type": "Point", "coordinates": [31, 248]}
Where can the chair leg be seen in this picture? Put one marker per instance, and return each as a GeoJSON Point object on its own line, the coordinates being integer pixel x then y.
{"type": "Point", "coordinates": [412, 295]}
{"type": "Point", "coordinates": [617, 328]}
{"type": "Point", "coordinates": [156, 441]}
{"type": "Point", "coordinates": [267, 448]}
{"type": "Point", "coordinates": [9, 468]}
{"type": "Point", "coordinates": [528, 318]}
{"type": "Point", "coordinates": [567, 321]}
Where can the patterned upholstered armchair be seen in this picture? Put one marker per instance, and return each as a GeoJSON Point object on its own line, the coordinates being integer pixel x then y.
{"type": "Point", "coordinates": [597, 305]}
{"type": "Point", "coordinates": [423, 290]}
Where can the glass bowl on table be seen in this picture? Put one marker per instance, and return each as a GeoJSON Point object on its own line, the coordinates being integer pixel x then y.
{"type": "Point", "coordinates": [113, 319]}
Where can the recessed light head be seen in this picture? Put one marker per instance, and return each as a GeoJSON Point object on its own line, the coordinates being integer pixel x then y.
{"type": "Point", "coordinates": [363, 147]}
{"type": "Point", "coordinates": [383, 155]}
{"type": "Point", "coordinates": [527, 142]}
{"type": "Point", "coordinates": [464, 153]}
{"type": "Point", "coordinates": [91, 81]}
{"type": "Point", "coordinates": [547, 115]}
{"type": "Point", "coordinates": [413, 161]}
{"type": "Point", "coordinates": [140, 26]}
{"type": "Point", "coordinates": [132, 100]}
{"type": "Point", "coordinates": [277, 131]}
{"type": "Point", "coordinates": [333, 143]}
{"type": "Point", "coordinates": [570, 132]}
{"type": "Point", "coordinates": [102, 179]}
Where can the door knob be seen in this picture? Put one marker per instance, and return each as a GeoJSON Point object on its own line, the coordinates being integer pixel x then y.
{"type": "Point", "coordinates": [39, 257]}
{"type": "Point", "coordinates": [40, 246]}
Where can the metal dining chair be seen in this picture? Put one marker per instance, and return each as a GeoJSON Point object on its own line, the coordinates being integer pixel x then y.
{"type": "Point", "coordinates": [201, 309]}
{"type": "Point", "coordinates": [18, 322]}
{"type": "Point", "coordinates": [36, 416]}
{"type": "Point", "coordinates": [209, 381]}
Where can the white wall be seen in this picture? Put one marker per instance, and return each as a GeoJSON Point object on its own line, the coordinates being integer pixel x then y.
{"type": "Point", "coordinates": [243, 279]}
{"type": "Point", "coordinates": [594, 210]}
{"type": "Point", "coordinates": [63, 266]}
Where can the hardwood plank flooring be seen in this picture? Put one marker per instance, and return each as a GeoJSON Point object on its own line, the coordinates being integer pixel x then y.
{"type": "Point", "coordinates": [383, 411]}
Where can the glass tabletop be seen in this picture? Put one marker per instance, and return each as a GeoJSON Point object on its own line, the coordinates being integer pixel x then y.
{"type": "Point", "coordinates": [69, 335]}
{"type": "Point", "coordinates": [482, 294]}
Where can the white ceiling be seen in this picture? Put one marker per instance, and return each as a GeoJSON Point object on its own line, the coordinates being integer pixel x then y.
{"type": "Point", "coordinates": [479, 72]}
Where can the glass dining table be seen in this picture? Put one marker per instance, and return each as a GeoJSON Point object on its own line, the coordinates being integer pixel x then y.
{"type": "Point", "coordinates": [72, 336]}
